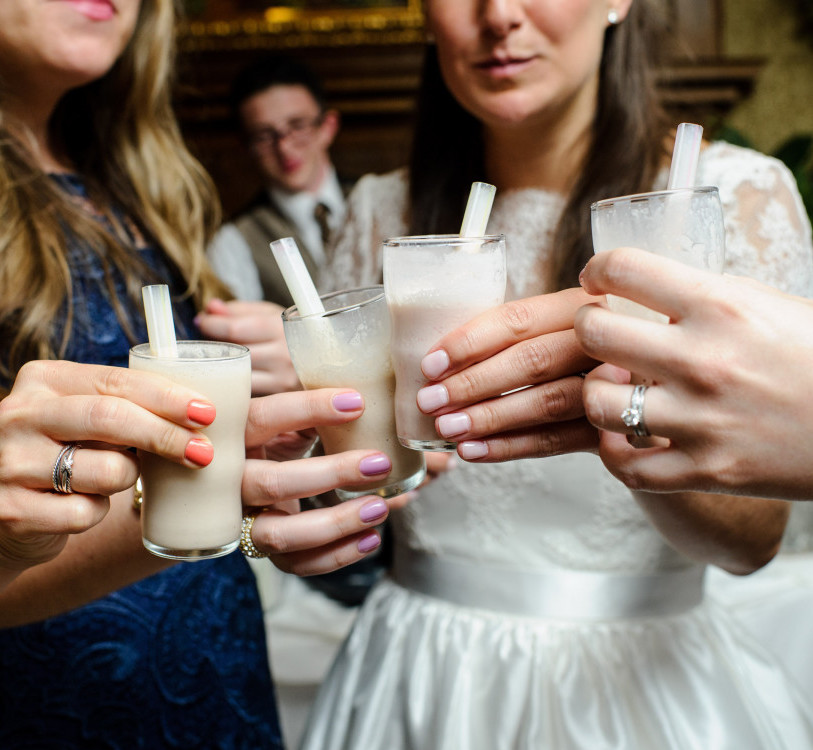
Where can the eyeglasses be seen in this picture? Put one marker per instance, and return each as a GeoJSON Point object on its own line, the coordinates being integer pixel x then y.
{"type": "Point", "coordinates": [298, 132]}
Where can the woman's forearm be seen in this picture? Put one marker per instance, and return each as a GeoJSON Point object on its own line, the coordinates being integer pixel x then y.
{"type": "Point", "coordinates": [737, 534]}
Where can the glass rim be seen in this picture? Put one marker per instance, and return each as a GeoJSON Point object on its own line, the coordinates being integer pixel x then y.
{"type": "Point", "coordinates": [446, 239]}
{"type": "Point", "coordinates": [652, 194]}
{"type": "Point", "coordinates": [143, 351]}
{"type": "Point", "coordinates": [290, 314]}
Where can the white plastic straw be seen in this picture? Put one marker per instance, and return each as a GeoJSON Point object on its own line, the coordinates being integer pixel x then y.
{"type": "Point", "coordinates": [296, 276]}
{"type": "Point", "coordinates": [683, 171]}
{"type": "Point", "coordinates": [478, 209]}
{"type": "Point", "coordinates": [160, 324]}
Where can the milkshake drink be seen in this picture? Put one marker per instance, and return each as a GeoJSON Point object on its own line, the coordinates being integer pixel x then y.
{"type": "Point", "coordinates": [434, 284]}
{"type": "Point", "coordinates": [349, 347]}
{"type": "Point", "coordinates": [684, 224]}
{"type": "Point", "coordinates": [194, 514]}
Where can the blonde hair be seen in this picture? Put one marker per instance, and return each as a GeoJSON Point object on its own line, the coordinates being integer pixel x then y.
{"type": "Point", "coordinates": [122, 136]}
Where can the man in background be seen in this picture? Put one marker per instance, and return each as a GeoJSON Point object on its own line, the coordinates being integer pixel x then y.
{"type": "Point", "coordinates": [280, 106]}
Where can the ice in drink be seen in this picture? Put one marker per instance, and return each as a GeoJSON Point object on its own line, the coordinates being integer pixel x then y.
{"type": "Point", "coordinates": [434, 284]}
{"type": "Point", "coordinates": [197, 513]}
{"type": "Point", "coordinates": [349, 347]}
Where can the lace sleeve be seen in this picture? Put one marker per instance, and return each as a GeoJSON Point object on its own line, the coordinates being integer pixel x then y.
{"type": "Point", "coordinates": [375, 211]}
{"type": "Point", "coordinates": [768, 235]}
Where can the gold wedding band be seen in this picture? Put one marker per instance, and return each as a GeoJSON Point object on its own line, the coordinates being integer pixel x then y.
{"type": "Point", "coordinates": [246, 542]}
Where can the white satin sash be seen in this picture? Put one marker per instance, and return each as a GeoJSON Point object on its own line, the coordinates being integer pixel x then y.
{"type": "Point", "coordinates": [556, 594]}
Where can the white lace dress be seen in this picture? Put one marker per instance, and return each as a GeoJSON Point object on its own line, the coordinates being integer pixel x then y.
{"type": "Point", "coordinates": [531, 604]}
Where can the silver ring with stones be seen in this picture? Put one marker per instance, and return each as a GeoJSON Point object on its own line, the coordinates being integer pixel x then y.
{"type": "Point", "coordinates": [63, 469]}
{"type": "Point", "coordinates": [633, 415]}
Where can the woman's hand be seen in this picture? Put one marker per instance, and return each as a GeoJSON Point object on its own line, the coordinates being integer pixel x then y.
{"type": "Point", "coordinates": [733, 375]}
{"type": "Point", "coordinates": [507, 384]}
{"type": "Point", "coordinates": [258, 326]}
{"type": "Point", "coordinates": [322, 539]}
{"type": "Point", "coordinates": [105, 410]}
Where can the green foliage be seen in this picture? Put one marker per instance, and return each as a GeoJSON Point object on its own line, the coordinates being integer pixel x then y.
{"type": "Point", "coordinates": [796, 153]}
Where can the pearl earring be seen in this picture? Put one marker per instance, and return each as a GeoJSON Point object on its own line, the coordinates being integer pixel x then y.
{"type": "Point", "coordinates": [612, 16]}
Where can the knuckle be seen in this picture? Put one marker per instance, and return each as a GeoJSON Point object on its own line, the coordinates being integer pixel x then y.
{"type": "Point", "coordinates": [555, 402]}
{"type": "Point", "coordinates": [114, 380]}
{"type": "Point", "coordinates": [273, 537]}
{"type": "Point", "coordinates": [518, 319]}
{"type": "Point", "coordinates": [466, 385]}
{"type": "Point", "coordinates": [535, 361]}
{"type": "Point", "coordinates": [549, 443]}
{"type": "Point", "coordinates": [103, 413]}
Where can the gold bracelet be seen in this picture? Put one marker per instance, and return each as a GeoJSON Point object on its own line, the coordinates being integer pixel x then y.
{"type": "Point", "coordinates": [246, 543]}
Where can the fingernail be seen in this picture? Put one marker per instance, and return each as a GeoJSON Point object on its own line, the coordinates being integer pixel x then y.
{"type": "Point", "coordinates": [201, 412]}
{"type": "Point", "coordinates": [369, 542]}
{"type": "Point", "coordinates": [350, 401]}
{"type": "Point", "coordinates": [472, 449]}
{"type": "Point", "coordinates": [432, 397]}
{"type": "Point", "coordinates": [199, 451]}
{"type": "Point", "coordinates": [450, 425]}
{"type": "Point", "coordinates": [581, 275]}
{"type": "Point", "coordinates": [372, 465]}
{"type": "Point", "coordinates": [435, 364]}
{"type": "Point", "coordinates": [372, 510]}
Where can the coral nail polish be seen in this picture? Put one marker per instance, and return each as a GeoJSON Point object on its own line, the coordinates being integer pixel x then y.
{"type": "Point", "coordinates": [201, 412]}
{"type": "Point", "coordinates": [199, 451]}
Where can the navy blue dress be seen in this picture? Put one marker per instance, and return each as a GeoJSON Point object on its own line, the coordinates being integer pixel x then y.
{"type": "Point", "coordinates": [177, 660]}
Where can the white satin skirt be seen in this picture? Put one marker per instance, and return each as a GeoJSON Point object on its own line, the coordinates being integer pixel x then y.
{"type": "Point", "coordinates": [423, 672]}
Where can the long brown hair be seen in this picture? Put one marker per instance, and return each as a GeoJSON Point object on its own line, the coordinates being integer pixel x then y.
{"type": "Point", "coordinates": [122, 136]}
{"type": "Point", "coordinates": [624, 156]}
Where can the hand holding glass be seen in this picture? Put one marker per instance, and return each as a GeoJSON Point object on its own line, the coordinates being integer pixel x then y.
{"type": "Point", "coordinates": [195, 514]}
{"type": "Point", "coordinates": [348, 345]}
{"type": "Point", "coordinates": [684, 224]}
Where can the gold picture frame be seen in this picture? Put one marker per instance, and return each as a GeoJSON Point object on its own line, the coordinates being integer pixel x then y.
{"type": "Point", "coordinates": [286, 24]}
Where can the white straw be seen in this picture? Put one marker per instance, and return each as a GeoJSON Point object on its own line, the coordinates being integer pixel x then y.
{"type": "Point", "coordinates": [478, 209]}
{"type": "Point", "coordinates": [296, 276]}
{"type": "Point", "coordinates": [683, 172]}
{"type": "Point", "coordinates": [160, 325]}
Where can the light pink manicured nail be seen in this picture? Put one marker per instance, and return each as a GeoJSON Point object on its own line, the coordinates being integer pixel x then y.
{"type": "Point", "coordinates": [472, 449]}
{"type": "Point", "coordinates": [435, 364]}
{"type": "Point", "coordinates": [377, 464]}
{"type": "Point", "coordinates": [350, 401]}
{"type": "Point", "coordinates": [450, 425]}
{"type": "Point", "coordinates": [373, 510]}
{"type": "Point", "coordinates": [368, 543]}
{"type": "Point", "coordinates": [432, 397]}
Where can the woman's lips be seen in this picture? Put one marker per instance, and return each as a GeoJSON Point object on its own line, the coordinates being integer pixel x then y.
{"type": "Point", "coordinates": [95, 10]}
{"type": "Point", "coordinates": [505, 67]}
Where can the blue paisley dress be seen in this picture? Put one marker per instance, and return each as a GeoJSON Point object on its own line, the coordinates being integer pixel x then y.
{"type": "Point", "coordinates": [177, 660]}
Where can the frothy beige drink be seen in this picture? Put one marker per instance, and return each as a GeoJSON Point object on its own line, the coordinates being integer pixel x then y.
{"type": "Point", "coordinates": [434, 284]}
{"type": "Point", "coordinates": [685, 225]}
{"type": "Point", "coordinates": [197, 513]}
{"type": "Point", "coordinates": [349, 347]}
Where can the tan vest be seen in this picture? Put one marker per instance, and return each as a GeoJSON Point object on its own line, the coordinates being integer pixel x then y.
{"type": "Point", "coordinates": [260, 226]}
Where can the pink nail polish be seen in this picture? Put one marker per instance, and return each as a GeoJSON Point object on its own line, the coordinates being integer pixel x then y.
{"type": "Point", "coordinates": [432, 397]}
{"type": "Point", "coordinates": [450, 425]}
{"type": "Point", "coordinates": [472, 449]}
{"type": "Point", "coordinates": [369, 543]}
{"type": "Point", "coordinates": [373, 510]}
{"type": "Point", "coordinates": [435, 364]}
{"type": "Point", "coordinates": [199, 451]}
{"type": "Point", "coordinates": [201, 412]}
{"type": "Point", "coordinates": [350, 401]}
{"type": "Point", "coordinates": [372, 465]}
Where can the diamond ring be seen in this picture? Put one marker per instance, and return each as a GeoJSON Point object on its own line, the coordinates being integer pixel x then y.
{"type": "Point", "coordinates": [633, 415]}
